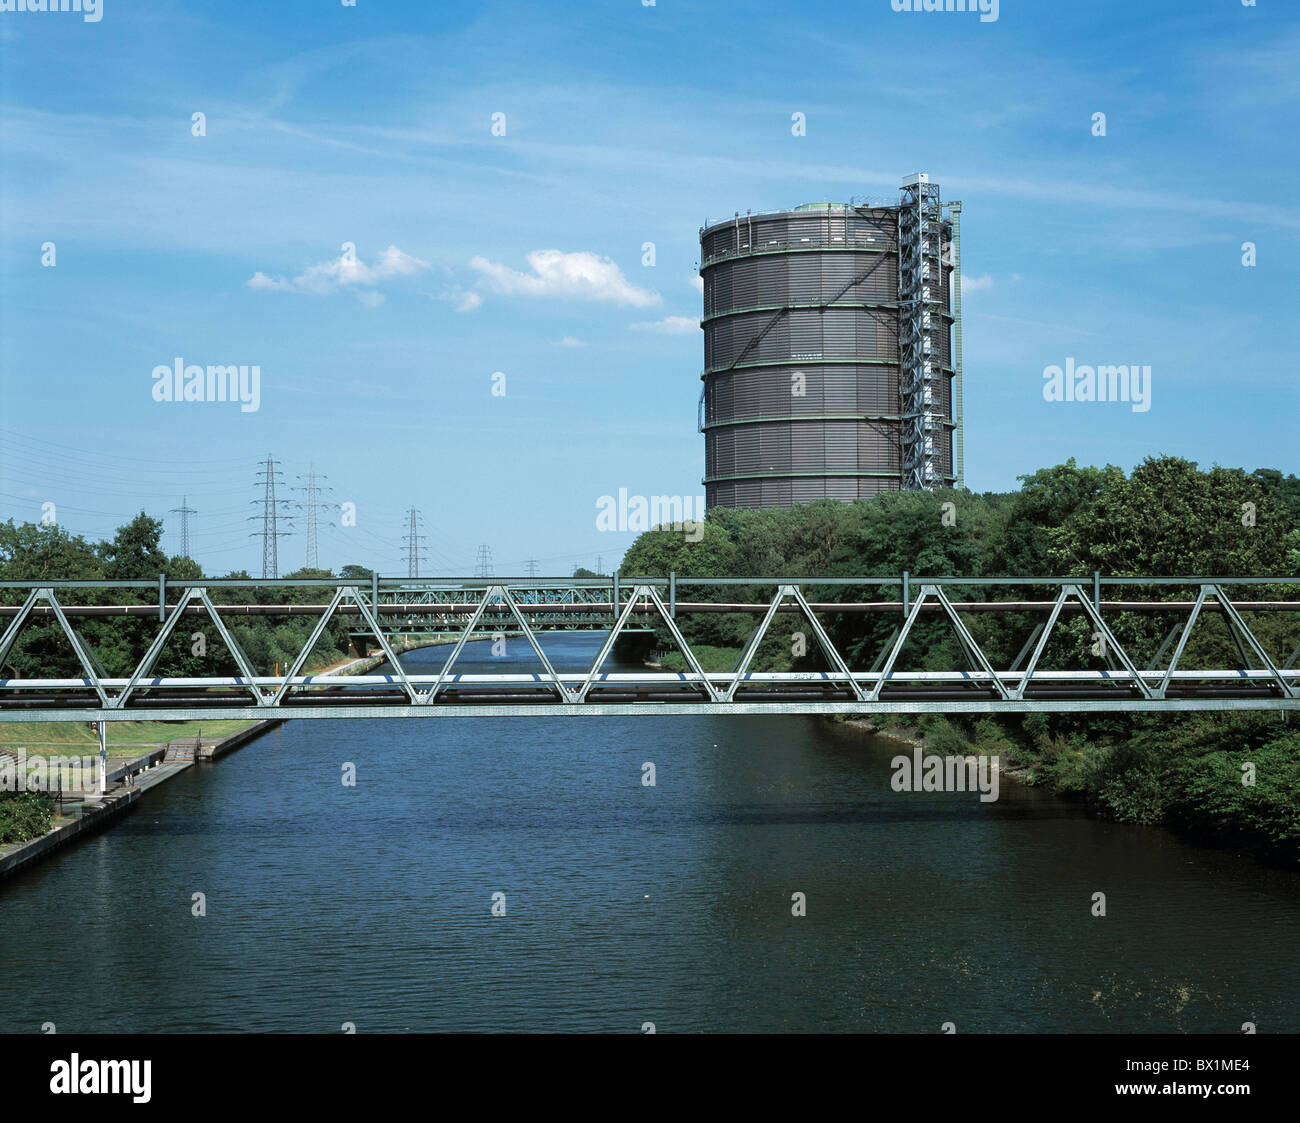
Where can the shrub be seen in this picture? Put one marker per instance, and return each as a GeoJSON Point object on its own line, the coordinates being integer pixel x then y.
{"type": "Point", "coordinates": [25, 815]}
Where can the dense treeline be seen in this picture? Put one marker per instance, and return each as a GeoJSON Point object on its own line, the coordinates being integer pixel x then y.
{"type": "Point", "coordinates": [32, 552]}
{"type": "Point", "coordinates": [1165, 519]}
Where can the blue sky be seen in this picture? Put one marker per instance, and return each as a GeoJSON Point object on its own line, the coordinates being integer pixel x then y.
{"type": "Point", "coordinates": [624, 124]}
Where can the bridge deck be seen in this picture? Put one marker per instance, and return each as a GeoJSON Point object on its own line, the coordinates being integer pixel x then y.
{"type": "Point", "coordinates": [1258, 680]}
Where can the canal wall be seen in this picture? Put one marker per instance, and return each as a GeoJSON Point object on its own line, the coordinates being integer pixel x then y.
{"type": "Point", "coordinates": [135, 777]}
{"type": "Point", "coordinates": [94, 817]}
{"type": "Point", "coordinates": [236, 741]}
{"type": "Point", "coordinates": [126, 784]}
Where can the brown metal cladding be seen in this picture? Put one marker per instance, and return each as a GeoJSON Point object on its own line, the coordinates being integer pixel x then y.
{"type": "Point", "coordinates": [801, 358]}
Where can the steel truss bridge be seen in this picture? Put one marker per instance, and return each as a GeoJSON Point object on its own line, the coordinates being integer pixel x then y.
{"type": "Point", "coordinates": [1257, 679]}
{"type": "Point", "coordinates": [439, 612]}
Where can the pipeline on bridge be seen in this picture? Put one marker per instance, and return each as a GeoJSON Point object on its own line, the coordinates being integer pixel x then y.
{"type": "Point", "coordinates": [1256, 679]}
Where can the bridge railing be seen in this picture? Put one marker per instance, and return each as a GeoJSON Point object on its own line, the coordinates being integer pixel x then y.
{"type": "Point", "coordinates": [1126, 655]}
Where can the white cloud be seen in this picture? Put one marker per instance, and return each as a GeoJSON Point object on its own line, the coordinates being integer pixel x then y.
{"type": "Point", "coordinates": [670, 325]}
{"type": "Point", "coordinates": [576, 276]}
{"type": "Point", "coordinates": [697, 282]}
{"type": "Point", "coordinates": [345, 271]}
{"type": "Point", "coordinates": [465, 300]}
{"type": "Point", "coordinates": [976, 284]}
{"type": "Point", "coordinates": [571, 341]}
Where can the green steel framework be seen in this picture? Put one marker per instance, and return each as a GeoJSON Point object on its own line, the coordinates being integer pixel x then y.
{"type": "Point", "coordinates": [959, 430]}
{"type": "Point", "coordinates": [1257, 682]}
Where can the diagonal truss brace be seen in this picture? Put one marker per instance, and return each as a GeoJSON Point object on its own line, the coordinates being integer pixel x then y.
{"type": "Point", "coordinates": [155, 649]}
{"type": "Point", "coordinates": [85, 656]}
{"type": "Point", "coordinates": [1249, 636]}
{"type": "Point", "coordinates": [199, 593]}
{"type": "Point", "coordinates": [501, 592]}
{"type": "Point", "coordinates": [366, 611]}
{"type": "Point", "coordinates": [1239, 632]}
{"type": "Point", "coordinates": [751, 647]}
{"type": "Point", "coordinates": [823, 641]}
{"type": "Point", "coordinates": [16, 624]}
{"type": "Point", "coordinates": [697, 676]}
{"type": "Point", "coordinates": [973, 649]}
{"type": "Point", "coordinates": [1103, 629]}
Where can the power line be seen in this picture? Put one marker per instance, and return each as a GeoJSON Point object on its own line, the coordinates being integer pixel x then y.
{"type": "Point", "coordinates": [483, 562]}
{"type": "Point", "coordinates": [413, 550]}
{"type": "Point", "coordinates": [311, 492]}
{"type": "Point", "coordinates": [185, 511]}
{"type": "Point", "coordinates": [532, 567]}
{"type": "Point", "coordinates": [11, 436]}
{"type": "Point", "coordinates": [269, 476]}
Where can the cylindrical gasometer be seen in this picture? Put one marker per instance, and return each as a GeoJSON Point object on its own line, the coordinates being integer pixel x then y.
{"type": "Point", "coordinates": [801, 356]}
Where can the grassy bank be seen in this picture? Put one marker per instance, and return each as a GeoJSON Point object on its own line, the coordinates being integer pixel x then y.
{"type": "Point", "coordinates": [130, 739]}
{"type": "Point", "coordinates": [126, 739]}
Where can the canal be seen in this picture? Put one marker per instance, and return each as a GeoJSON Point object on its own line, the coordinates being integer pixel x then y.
{"type": "Point", "coordinates": [628, 904]}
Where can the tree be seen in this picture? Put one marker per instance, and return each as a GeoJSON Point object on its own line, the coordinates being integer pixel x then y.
{"type": "Point", "coordinates": [134, 553]}
{"type": "Point", "coordinates": [660, 551]}
{"type": "Point", "coordinates": [31, 552]}
{"type": "Point", "coordinates": [1169, 519]}
{"type": "Point", "coordinates": [1047, 500]}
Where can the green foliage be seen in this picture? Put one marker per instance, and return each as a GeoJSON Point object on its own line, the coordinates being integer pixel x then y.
{"type": "Point", "coordinates": [712, 659]}
{"type": "Point", "coordinates": [661, 551]}
{"type": "Point", "coordinates": [1166, 518]}
{"type": "Point", "coordinates": [25, 815]}
{"type": "Point", "coordinates": [1189, 773]}
{"type": "Point", "coordinates": [945, 736]}
{"type": "Point", "coordinates": [29, 553]}
{"type": "Point", "coordinates": [1048, 499]}
{"type": "Point", "coordinates": [1169, 519]}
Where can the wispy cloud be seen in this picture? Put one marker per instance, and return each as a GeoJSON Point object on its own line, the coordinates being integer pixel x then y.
{"type": "Point", "coordinates": [573, 276]}
{"type": "Point", "coordinates": [346, 272]}
{"type": "Point", "coordinates": [976, 284]}
{"type": "Point", "coordinates": [465, 300]}
{"type": "Point", "coordinates": [669, 325]}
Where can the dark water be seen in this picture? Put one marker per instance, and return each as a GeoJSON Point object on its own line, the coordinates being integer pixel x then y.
{"type": "Point", "coordinates": [629, 904]}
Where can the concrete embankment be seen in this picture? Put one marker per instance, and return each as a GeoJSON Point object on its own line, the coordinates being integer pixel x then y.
{"type": "Point", "coordinates": [94, 817]}
{"type": "Point", "coordinates": [125, 785]}
{"type": "Point", "coordinates": [127, 782]}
